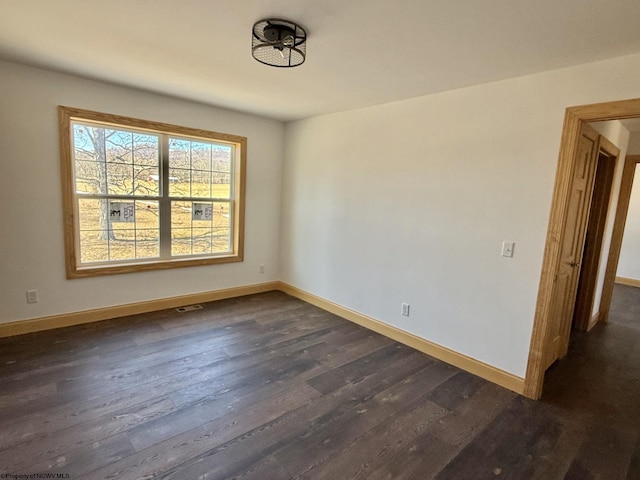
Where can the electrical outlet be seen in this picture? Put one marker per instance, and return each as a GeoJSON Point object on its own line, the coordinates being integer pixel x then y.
{"type": "Point", "coordinates": [261, 269]}
{"type": "Point", "coordinates": [405, 309]}
{"type": "Point", "coordinates": [32, 296]}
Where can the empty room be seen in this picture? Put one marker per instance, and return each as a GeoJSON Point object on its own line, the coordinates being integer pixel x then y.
{"type": "Point", "coordinates": [319, 239]}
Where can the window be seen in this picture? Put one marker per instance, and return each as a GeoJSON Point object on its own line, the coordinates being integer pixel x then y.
{"type": "Point", "coordinates": [140, 195]}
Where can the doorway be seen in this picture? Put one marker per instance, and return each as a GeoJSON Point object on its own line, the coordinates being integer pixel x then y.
{"type": "Point", "coordinates": [575, 118]}
{"type": "Point", "coordinates": [583, 316]}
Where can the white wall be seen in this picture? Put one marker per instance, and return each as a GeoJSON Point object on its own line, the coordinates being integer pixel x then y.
{"type": "Point", "coordinates": [32, 252]}
{"type": "Point", "coordinates": [410, 201]}
{"type": "Point", "coordinates": [629, 263]}
{"type": "Point", "coordinates": [634, 144]}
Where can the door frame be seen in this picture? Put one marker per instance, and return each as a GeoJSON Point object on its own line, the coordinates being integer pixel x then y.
{"type": "Point", "coordinates": [622, 209]}
{"type": "Point", "coordinates": [573, 120]}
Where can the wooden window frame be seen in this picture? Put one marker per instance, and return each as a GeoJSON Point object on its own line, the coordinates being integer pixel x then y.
{"type": "Point", "coordinates": [74, 269]}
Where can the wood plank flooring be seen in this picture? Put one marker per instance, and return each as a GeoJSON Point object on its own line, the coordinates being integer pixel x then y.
{"type": "Point", "coordinates": [269, 387]}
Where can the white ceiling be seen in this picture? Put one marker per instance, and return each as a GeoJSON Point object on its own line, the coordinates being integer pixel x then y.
{"type": "Point", "coordinates": [360, 52]}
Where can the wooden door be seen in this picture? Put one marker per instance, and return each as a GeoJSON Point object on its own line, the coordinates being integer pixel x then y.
{"type": "Point", "coordinates": [572, 245]}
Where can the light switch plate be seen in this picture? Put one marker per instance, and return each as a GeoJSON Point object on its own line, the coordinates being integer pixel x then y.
{"type": "Point", "coordinates": [507, 249]}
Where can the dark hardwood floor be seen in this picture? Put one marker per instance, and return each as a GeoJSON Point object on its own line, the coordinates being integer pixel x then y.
{"type": "Point", "coordinates": [269, 387]}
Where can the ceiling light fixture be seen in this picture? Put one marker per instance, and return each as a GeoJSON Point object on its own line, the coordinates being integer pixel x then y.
{"type": "Point", "coordinates": [279, 43]}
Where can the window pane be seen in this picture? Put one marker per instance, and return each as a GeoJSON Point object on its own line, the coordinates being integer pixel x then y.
{"type": "Point", "coordinates": [201, 184]}
{"type": "Point", "coordinates": [199, 169]}
{"type": "Point", "coordinates": [221, 241]}
{"type": "Point", "coordinates": [146, 181]}
{"type": "Point", "coordinates": [147, 214]}
{"type": "Point", "coordinates": [221, 158]}
{"type": "Point", "coordinates": [90, 177]}
{"type": "Point", "coordinates": [200, 227]}
{"type": "Point", "coordinates": [119, 179]}
{"type": "Point", "coordinates": [146, 150]}
{"type": "Point", "coordinates": [94, 246]}
{"type": "Point", "coordinates": [116, 162]}
{"type": "Point", "coordinates": [89, 159]}
{"type": "Point", "coordinates": [181, 241]}
{"type": "Point", "coordinates": [201, 238]}
{"type": "Point", "coordinates": [179, 153]}
{"type": "Point", "coordinates": [146, 165]}
{"type": "Point", "coordinates": [107, 234]}
{"type": "Point", "coordinates": [201, 156]}
{"type": "Point", "coordinates": [179, 168]}
{"type": "Point", "coordinates": [179, 182]}
{"type": "Point", "coordinates": [92, 214]}
{"type": "Point", "coordinates": [221, 215]}
{"type": "Point", "coordinates": [118, 146]}
{"type": "Point", "coordinates": [181, 226]}
{"type": "Point", "coordinates": [222, 227]}
{"type": "Point", "coordinates": [221, 185]}
{"type": "Point", "coordinates": [180, 215]}
{"type": "Point", "coordinates": [147, 243]}
{"type": "Point", "coordinates": [192, 241]}
{"type": "Point", "coordinates": [94, 230]}
{"type": "Point", "coordinates": [122, 242]}
{"type": "Point", "coordinates": [147, 227]}
{"type": "Point", "coordinates": [84, 142]}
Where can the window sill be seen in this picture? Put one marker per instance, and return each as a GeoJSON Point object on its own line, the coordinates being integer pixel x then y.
{"type": "Point", "coordinates": [116, 269]}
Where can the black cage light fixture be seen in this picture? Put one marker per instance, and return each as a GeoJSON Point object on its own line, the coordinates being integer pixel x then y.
{"type": "Point", "coordinates": [279, 43]}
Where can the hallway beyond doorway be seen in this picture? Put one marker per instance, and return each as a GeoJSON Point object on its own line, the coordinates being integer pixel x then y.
{"type": "Point", "coordinates": [599, 384]}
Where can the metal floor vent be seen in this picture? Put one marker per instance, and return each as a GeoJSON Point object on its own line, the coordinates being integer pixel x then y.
{"type": "Point", "coordinates": [189, 308]}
